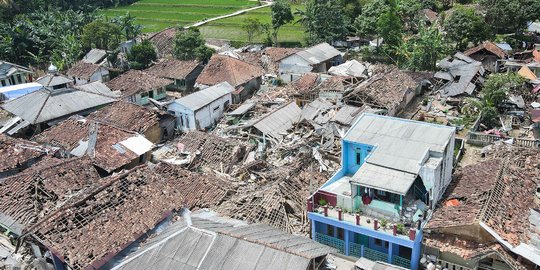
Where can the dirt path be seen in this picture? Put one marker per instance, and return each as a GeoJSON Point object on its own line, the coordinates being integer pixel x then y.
{"type": "Point", "coordinates": [197, 24]}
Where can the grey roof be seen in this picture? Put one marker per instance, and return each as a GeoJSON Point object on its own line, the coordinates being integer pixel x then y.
{"type": "Point", "coordinates": [12, 224]}
{"type": "Point", "coordinates": [7, 69]}
{"type": "Point", "coordinates": [347, 114]}
{"type": "Point", "coordinates": [349, 68]}
{"type": "Point", "coordinates": [399, 144]}
{"type": "Point", "coordinates": [98, 87]}
{"type": "Point", "coordinates": [279, 121]}
{"type": "Point", "coordinates": [459, 71]}
{"type": "Point", "coordinates": [319, 53]}
{"type": "Point", "coordinates": [381, 178]}
{"type": "Point", "coordinates": [204, 97]}
{"type": "Point", "coordinates": [243, 109]}
{"type": "Point", "coordinates": [51, 80]}
{"type": "Point", "coordinates": [95, 56]}
{"type": "Point", "coordinates": [534, 27]}
{"type": "Point", "coordinates": [313, 109]}
{"type": "Point", "coordinates": [45, 105]}
{"type": "Point", "coordinates": [208, 244]}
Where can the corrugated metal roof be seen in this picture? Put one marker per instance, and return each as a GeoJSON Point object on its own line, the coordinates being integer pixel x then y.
{"type": "Point", "coordinates": [95, 56]}
{"type": "Point", "coordinates": [399, 144]}
{"type": "Point", "coordinates": [279, 121]}
{"type": "Point", "coordinates": [44, 105]}
{"type": "Point", "coordinates": [204, 97]}
{"type": "Point", "coordinates": [243, 109]}
{"type": "Point", "coordinates": [381, 178]}
{"type": "Point", "coordinates": [7, 69]}
{"type": "Point", "coordinates": [349, 68]}
{"type": "Point", "coordinates": [319, 53]}
{"type": "Point", "coordinates": [212, 245]}
{"type": "Point", "coordinates": [97, 87]}
{"type": "Point", "coordinates": [347, 114]}
{"type": "Point", "coordinates": [51, 80]}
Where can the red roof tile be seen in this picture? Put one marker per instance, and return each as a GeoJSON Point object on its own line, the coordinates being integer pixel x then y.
{"type": "Point", "coordinates": [224, 68]}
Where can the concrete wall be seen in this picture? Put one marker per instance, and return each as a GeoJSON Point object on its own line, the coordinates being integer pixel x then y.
{"type": "Point", "coordinates": [348, 158]}
{"type": "Point", "coordinates": [249, 89]}
{"type": "Point", "coordinates": [155, 94]}
{"type": "Point", "coordinates": [102, 75]}
{"type": "Point", "coordinates": [203, 118]}
{"type": "Point", "coordinates": [153, 133]}
{"type": "Point", "coordinates": [14, 79]}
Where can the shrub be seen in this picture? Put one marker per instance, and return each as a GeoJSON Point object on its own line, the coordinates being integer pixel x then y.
{"type": "Point", "coordinates": [384, 222]}
{"type": "Point", "coordinates": [323, 202]}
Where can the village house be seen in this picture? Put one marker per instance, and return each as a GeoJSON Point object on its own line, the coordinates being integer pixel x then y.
{"type": "Point", "coordinates": [219, 243]}
{"type": "Point", "coordinates": [54, 80]}
{"type": "Point", "coordinates": [271, 56]}
{"type": "Point", "coordinates": [244, 77]}
{"type": "Point", "coordinates": [202, 109]}
{"type": "Point", "coordinates": [19, 154]}
{"type": "Point", "coordinates": [84, 72]}
{"type": "Point", "coordinates": [460, 75]}
{"type": "Point", "coordinates": [45, 186]}
{"type": "Point", "coordinates": [393, 171]}
{"type": "Point", "coordinates": [318, 58]}
{"type": "Point", "coordinates": [163, 42]}
{"type": "Point", "coordinates": [182, 73]}
{"type": "Point", "coordinates": [46, 107]}
{"type": "Point", "coordinates": [110, 148]}
{"type": "Point", "coordinates": [13, 74]}
{"type": "Point", "coordinates": [156, 126]}
{"type": "Point", "coordinates": [95, 56]}
{"type": "Point", "coordinates": [489, 54]}
{"type": "Point", "coordinates": [489, 217]}
{"type": "Point", "coordinates": [138, 86]}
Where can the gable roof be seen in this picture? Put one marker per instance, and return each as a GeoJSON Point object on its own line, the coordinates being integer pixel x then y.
{"type": "Point", "coordinates": [43, 187]}
{"type": "Point", "coordinates": [209, 244]}
{"type": "Point", "coordinates": [126, 115]}
{"type": "Point", "coordinates": [201, 98]}
{"type": "Point", "coordinates": [489, 47]}
{"type": "Point", "coordinates": [173, 69]}
{"type": "Point", "coordinates": [83, 70]}
{"type": "Point", "coordinates": [113, 148]}
{"type": "Point", "coordinates": [224, 68]}
{"type": "Point", "coordinates": [278, 53]}
{"type": "Point", "coordinates": [122, 210]}
{"type": "Point", "coordinates": [319, 53]}
{"type": "Point", "coordinates": [45, 104]}
{"type": "Point", "coordinates": [136, 81]}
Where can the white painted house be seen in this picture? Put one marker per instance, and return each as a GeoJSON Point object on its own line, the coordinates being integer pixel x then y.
{"type": "Point", "coordinates": [202, 109]}
{"type": "Point", "coordinates": [318, 59]}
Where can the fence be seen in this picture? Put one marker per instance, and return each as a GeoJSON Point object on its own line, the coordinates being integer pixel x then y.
{"type": "Point", "coordinates": [481, 139]}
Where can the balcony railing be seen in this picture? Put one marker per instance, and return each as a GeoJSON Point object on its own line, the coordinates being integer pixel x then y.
{"type": "Point", "coordinates": [331, 242]}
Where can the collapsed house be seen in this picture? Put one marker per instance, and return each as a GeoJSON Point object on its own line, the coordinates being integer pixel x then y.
{"type": "Point", "coordinates": [318, 58]}
{"type": "Point", "coordinates": [244, 77]}
{"type": "Point", "coordinates": [488, 53]}
{"type": "Point", "coordinates": [182, 73]}
{"type": "Point", "coordinates": [460, 75]}
{"type": "Point", "coordinates": [138, 87]}
{"type": "Point", "coordinates": [156, 126]}
{"type": "Point", "coordinates": [83, 72]}
{"type": "Point", "coordinates": [201, 242]}
{"type": "Point", "coordinates": [19, 154]}
{"type": "Point", "coordinates": [202, 109]}
{"type": "Point", "coordinates": [41, 190]}
{"type": "Point", "coordinates": [489, 217]}
{"type": "Point", "coordinates": [90, 230]}
{"type": "Point", "coordinates": [110, 148]}
{"type": "Point", "coordinates": [350, 68]}
{"type": "Point", "coordinates": [390, 89]}
{"type": "Point", "coordinates": [274, 125]}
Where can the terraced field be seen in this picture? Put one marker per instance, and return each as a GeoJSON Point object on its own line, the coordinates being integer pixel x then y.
{"type": "Point", "coordinates": [156, 15]}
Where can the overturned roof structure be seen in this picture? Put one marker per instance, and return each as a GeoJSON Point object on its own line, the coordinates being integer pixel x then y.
{"type": "Point", "coordinates": [274, 124]}
{"type": "Point", "coordinates": [351, 68]}
{"type": "Point", "coordinates": [460, 75]}
{"type": "Point", "coordinates": [209, 244]}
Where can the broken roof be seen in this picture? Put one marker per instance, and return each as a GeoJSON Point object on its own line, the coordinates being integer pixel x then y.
{"type": "Point", "coordinates": [112, 150]}
{"type": "Point", "coordinates": [227, 69]}
{"type": "Point", "coordinates": [42, 189]}
{"type": "Point", "coordinates": [83, 70]}
{"type": "Point", "coordinates": [460, 73]}
{"type": "Point", "coordinates": [319, 53]}
{"type": "Point", "coordinates": [173, 69]}
{"type": "Point", "coordinates": [164, 41]}
{"type": "Point", "coordinates": [487, 46]}
{"type": "Point", "coordinates": [306, 82]}
{"type": "Point", "coordinates": [95, 56]}
{"type": "Point", "coordinates": [279, 121]}
{"type": "Point", "coordinates": [16, 152]}
{"type": "Point", "coordinates": [126, 115]}
{"type": "Point", "coordinates": [136, 81]}
{"type": "Point", "coordinates": [46, 105]}
{"type": "Point", "coordinates": [349, 68]}
{"type": "Point", "coordinates": [201, 98]}
{"type": "Point", "coordinates": [209, 244]}
{"type": "Point", "coordinates": [103, 221]}
{"type": "Point", "coordinates": [400, 144]}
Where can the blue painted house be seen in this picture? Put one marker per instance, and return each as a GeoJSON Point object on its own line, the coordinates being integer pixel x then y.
{"type": "Point", "coordinates": [393, 172]}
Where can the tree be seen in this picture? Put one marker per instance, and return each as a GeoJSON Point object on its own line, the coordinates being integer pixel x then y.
{"type": "Point", "coordinates": [281, 15]}
{"type": "Point", "coordinates": [324, 21]}
{"type": "Point", "coordinates": [423, 50]}
{"type": "Point", "coordinates": [252, 27]}
{"type": "Point", "coordinates": [510, 16]}
{"type": "Point", "coordinates": [390, 28]}
{"type": "Point", "coordinates": [142, 55]}
{"type": "Point", "coordinates": [128, 26]}
{"type": "Point", "coordinates": [366, 23]}
{"type": "Point", "coordinates": [464, 26]}
{"type": "Point", "coordinates": [189, 45]}
{"type": "Point", "coordinates": [101, 34]}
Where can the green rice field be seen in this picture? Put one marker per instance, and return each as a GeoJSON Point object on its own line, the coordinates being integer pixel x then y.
{"type": "Point", "coordinates": [156, 15]}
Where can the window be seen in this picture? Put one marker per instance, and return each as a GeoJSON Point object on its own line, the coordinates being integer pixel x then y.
{"type": "Point", "coordinates": [144, 95]}
{"type": "Point", "coordinates": [161, 91]}
{"type": "Point", "coordinates": [330, 230]}
{"type": "Point", "coordinates": [226, 104]}
{"type": "Point", "coordinates": [3, 83]}
{"type": "Point", "coordinates": [358, 157]}
{"type": "Point", "coordinates": [381, 243]}
{"type": "Point", "coordinates": [340, 234]}
{"type": "Point", "coordinates": [182, 83]}
{"type": "Point", "coordinates": [19, 78]}
{"type": "Point", "coordinates": [132, 99]}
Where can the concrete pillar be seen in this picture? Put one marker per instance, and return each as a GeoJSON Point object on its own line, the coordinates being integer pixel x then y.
{"type": "Point", "coordinates": [362, 251]}
{"type": "Point", "coordinates": [325, 208]}
{"type": "Point", "coordinates": [416, 251]}
{"type": "Point", "coordinates": [395, 229]}
{"type": "Point", "coordinates": [347, 242]}
{"type": "Point", "coordinates": [358, 219]}
{"type": "Point", "coordinates": [390, 252]}
{"type": "Point", "coordinates": [412, 234]}
{"type": "Point", "coordinates": [313, 229]}
{"type": "Point", "coordinates": [375, 224]}
{"type": "Point", "coordinates": [340, 214]}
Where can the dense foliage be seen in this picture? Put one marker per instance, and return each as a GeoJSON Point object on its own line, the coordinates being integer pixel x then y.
{"type": "Point", "coordinates": [281, 15]}
{"type": "Point", "coordinates": [142, 55]}
{"type": "Point", "coordinates": [189, 45]}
